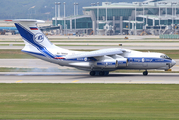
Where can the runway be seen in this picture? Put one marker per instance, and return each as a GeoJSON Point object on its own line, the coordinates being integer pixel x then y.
{"type": "Point", "coordinates": [123, 78]}
{"type": "Point", "coordinates": [37, 63]}
{"type": "Point", "coordinates": [58, 74]}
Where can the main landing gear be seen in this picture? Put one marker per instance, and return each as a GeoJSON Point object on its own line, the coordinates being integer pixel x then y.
{"type": "Point", "coordinates": [92, 73]}
{"type": "Point", "coordinates": [100, 73]}
{"type": "Point", "coordinates": [145, 73]}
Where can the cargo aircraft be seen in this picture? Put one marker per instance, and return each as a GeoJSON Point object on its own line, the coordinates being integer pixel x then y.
{"type": "Point", "coordinates": [98, 62]}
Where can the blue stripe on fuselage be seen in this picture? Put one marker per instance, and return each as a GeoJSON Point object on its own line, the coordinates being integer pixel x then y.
{"type": "Point", "coordinates": [148, 60]}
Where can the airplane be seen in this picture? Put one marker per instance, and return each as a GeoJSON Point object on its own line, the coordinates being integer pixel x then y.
{"type": "Point", "coordinates": [98, 62]}
{"type": "Point", "coordinates": [12, 30]}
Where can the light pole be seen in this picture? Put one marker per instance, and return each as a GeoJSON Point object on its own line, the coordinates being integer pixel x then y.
{"type": "Point", "coordinates": [175, 9]}
{"type": "Point", "coordinates": [75, 16]}
{"type": "Point", "coordinates": [143, 14]}
{"type": "Point", "coordinates": [175, 13]}
{"type": "Point", "coordinates": [56, 13]}
{"type": "Point", "coordinates": [97, 15]}
{"type": "Point", "coordinates": [175, 3]}
{"type": "Point", "coordinates": [64, 18]}
{"type": "Point", "coordinates": [135, 19]}
{"type": "Point", "coordinates": [93, 23]}
{"type": "Point", "coordinates": [172, 14]}
{"type": "Point", "coordinates": [74, 8]}
{"type": "Point", "coordinates": [59, 9]}
{"type": "Point", "coordinates": [77, 8]}
{"type": "Point", "coordinates": [106, 17]}
{"type": "Point", "coordinates": [106, 13]}
{"type": "Point", "coordinates": [159, 17]}
{"type": "Point", "coordinates": [166, 9]}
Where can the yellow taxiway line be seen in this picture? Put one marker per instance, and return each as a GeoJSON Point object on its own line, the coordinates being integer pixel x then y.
{"type": "Point", "coordinates": [75, 81]}
{"type": "Point", "coordinates": [18, 81]}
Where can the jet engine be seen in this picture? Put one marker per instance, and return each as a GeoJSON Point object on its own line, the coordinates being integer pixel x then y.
{"type": "Point", "coordinates": [111, 63]}
{"type": "Point", "coordinates": [122, 62]}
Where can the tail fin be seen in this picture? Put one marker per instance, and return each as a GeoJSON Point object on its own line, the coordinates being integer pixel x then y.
{"type": "Point", "coordinates": [32, 35]}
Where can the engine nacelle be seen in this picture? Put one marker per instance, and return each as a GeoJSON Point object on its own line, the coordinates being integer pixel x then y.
{"type": "Point", "coordinates": [111, 63]}
{"type": "Point", "coordinates": [122, 62]}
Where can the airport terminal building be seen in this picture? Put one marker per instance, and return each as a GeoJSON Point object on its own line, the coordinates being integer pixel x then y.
{"type": "Point", "coordinates": [148, 17]}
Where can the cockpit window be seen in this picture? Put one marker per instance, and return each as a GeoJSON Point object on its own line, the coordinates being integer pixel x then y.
{"type": "Point", "coordinates": [165, 57]}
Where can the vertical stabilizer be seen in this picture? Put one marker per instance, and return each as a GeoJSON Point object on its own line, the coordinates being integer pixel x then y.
{"type": "Point", "coordinates": [32, 35]}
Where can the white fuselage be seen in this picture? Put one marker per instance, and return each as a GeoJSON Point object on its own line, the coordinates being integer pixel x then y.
{"type": "Point", "coordinates": [134, 60]}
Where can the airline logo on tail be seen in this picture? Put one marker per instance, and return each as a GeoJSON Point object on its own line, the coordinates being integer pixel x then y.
{"type": "Point", "coordinates": [39, 37]}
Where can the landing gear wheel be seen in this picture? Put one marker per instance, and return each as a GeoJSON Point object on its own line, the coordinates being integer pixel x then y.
{"type": "Point", "coordinates": [145, 73]}
{"type": "Point", "coordinates": [92, 73]}
{"type": "Point", "coordinates": [106, 73]}
{"type": "Point", "coordinates": [101, 73]}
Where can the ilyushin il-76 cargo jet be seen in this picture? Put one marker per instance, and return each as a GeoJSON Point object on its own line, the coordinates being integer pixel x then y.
{"type": "Point", "coordinates": [98, 62]}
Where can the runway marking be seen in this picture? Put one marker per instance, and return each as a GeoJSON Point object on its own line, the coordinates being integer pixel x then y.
{"type": "Point", "coordinates": [75, 81]}
{"type": "Point", "coordinates": [18, 81]}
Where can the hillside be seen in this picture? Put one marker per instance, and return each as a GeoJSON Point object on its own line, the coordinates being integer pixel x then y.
{"type": "Point", "coordinates": [41, 9]}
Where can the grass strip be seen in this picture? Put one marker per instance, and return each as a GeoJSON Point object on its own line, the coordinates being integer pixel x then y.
{"type": "Point", "coordinates": [9, 69]}
{"type": "Point", "coordinates": [174, 54]}
{"type": "Point", "coordinates": [14, 54]}
{"type": "Point", "coordinates": [89, 101]}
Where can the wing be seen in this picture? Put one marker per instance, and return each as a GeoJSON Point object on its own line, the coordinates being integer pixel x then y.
{"type": "Point", "coordinates": [97, 53]}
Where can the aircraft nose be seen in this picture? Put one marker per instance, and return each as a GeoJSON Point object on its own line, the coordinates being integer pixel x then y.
{"type": "Point", "coordinates": [173, 62]}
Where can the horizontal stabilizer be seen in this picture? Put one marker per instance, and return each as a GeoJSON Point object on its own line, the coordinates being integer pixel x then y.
{"type": "Point", "coordinates": [25, 20]}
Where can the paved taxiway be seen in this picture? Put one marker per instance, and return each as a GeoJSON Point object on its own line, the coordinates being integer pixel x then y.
{"type": "Point", "coordinates": [173, 44]}
{"type": "Point", "coordinates": [105, 47]}
{"type": "Point", "coordinates": [129, 78]}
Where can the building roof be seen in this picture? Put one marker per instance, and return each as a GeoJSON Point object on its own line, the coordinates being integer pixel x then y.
{"type": "Point", "coordinates": [162, 4]}
{"type": "Point", "coordinates": [162, 17]}
{"type": "Point", "coordinates": [71, 17]}
{"type": "Point", "coordinates": [126, 21]}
